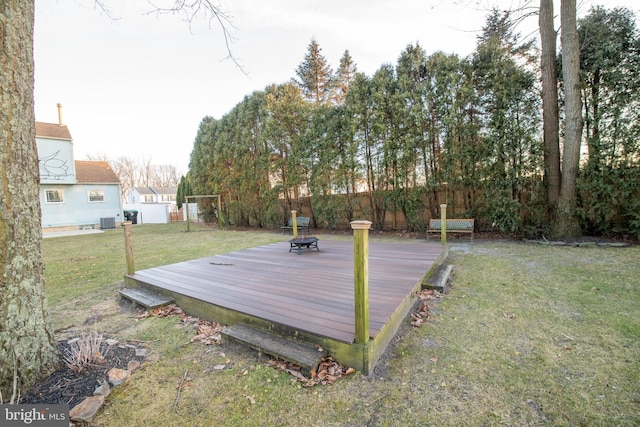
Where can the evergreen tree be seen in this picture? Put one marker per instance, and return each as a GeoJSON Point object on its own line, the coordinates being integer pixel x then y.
{"type": "Point", "coordinates": [315, 76]}
{"type": "Point", "coordinates": [285, 133]}
{"type": "Point", "coordinates": [509, 107]}
{"type": "Point", "coordinates": [184, 190]}
{"type": "Point", "coordinates": [344, 76]}
{"type": "Point", "coordinates": [609, 185]}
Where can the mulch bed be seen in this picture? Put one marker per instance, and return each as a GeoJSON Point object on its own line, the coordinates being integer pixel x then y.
{"type": "Point", "coordinates": [69, 387]}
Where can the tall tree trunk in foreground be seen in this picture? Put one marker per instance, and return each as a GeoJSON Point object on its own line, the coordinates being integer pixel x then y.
{"type": "Point", "coordinates": [550, 117]}
{"type": "Point", "coordinates": [566, 223]}
{"type": "Point", "coordinates": [26, 338]}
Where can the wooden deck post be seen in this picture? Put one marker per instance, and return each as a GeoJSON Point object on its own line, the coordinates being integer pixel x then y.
{"type": "Point", "coordinates": [294, 223]}
{"type": "Point", "coordinates": [128, 244]}
{"type": "Point", "coordinates": [361, 278]}
{"type": "Point", "coordinates": [443, 219]}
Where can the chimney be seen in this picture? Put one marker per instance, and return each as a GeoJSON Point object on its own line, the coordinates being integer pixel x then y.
{"type": "Point", "coordinates": [60, 114]}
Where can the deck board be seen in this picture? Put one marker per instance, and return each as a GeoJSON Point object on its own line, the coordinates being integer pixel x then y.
{"type": "Point", "coordinates": [312, 292]}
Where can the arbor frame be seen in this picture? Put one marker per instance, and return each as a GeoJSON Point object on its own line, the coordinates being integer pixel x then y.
{"type": "Point", "coordinates": [195, 198]}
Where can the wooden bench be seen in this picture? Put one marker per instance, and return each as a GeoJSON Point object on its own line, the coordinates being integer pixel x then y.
{"type": "Point", "coordinates": [454, 225]}
{"type": "Point", "coordinates": [302, 222]}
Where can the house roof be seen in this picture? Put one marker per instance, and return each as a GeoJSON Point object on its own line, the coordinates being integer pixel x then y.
{"type": "Point", "coordinates": [165, 190]}
{"type": "Point", "coordinates": [156, 190]}
{"type": "Point", "coordinates": [144, 190]}
{"type": "Point", "coordinates": [51, 130]}
{"type": "Point", "coordinates": [95, 172]}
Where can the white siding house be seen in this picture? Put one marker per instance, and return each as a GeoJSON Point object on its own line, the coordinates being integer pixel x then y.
{"type": "Point", "coordinates": [74, 194]}
{"type": "Point", "coordinates": [153, 204]}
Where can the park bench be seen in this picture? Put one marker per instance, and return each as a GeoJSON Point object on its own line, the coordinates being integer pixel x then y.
{"type": "Point", "coordinates": [454, 225]}
{"type": "Point", "coordinates": [302, 221]}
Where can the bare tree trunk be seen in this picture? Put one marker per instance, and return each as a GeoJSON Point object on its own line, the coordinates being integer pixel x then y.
{"type": "Point", "coordinates": [550, 117]}
{"type": "Point", "coordinates": [566, 223]}
{"type": "Point", "coordinates": [26, 338]}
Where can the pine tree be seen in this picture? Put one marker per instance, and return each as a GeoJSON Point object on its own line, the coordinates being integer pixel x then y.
{"type": "Point", "coordinates": [315, 75]}
{"type": "Point", "coordinates": [344, 76]}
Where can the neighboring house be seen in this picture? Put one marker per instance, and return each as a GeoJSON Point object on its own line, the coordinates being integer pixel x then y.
{"type": "Point", "coordinates": [74, 194]}
{"type": "Point", "coordinates": [153, 204]}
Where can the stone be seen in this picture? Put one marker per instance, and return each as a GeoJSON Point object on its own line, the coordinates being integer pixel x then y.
{"type": "Point", "coordinates": [111, 341]}
{"type": "Point", "coordinates": [117, 376]}
{"type": "Point", "coordinates": [133, 365]}
{"type": "Point", "coordinates": [87, 409]}
{"type": "Point", "coordinates": [102, 390]}
{"type": "Point", "coordinates": [141, 352]}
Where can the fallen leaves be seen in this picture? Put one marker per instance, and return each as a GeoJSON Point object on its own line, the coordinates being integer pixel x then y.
{"type": "Point", "coordinates": [329, 371]}
{"type": "Point", "coordinates": [421, 315]}
{"type": "Point", "coordinates": [206, 332]}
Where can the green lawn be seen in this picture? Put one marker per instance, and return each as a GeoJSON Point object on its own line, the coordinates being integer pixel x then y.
{"type": "Point", "coordinates": [528, 335]}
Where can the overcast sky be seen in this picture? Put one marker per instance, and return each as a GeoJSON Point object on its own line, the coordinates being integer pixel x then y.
{"type": "Point", "coordinates": [137, 85]}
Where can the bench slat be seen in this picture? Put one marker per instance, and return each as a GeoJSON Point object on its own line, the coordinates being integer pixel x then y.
{"type": "Point", "coordinates": [301, 221]}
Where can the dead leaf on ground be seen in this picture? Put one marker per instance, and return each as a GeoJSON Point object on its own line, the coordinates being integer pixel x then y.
{"type": "Point", "coordinates": [508, 315]}
{"type": "Point", "coordinates": [421, 314]}
{"type": "Point", "coordinates": [329, 371]}
{"type": "Point", "coordinates": [206, 332]}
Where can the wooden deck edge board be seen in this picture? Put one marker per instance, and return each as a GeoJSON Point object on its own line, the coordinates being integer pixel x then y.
{"type": "Point", "coordinates": [305, 355]}
{"type": "Point", "coordinates": [145, 297]}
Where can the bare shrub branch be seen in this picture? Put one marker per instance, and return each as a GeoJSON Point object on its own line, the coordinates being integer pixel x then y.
{"type": "Point", "coordinates": [84, 351]}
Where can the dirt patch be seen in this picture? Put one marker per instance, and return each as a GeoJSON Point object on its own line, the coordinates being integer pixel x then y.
{"type": "Point", "coordinates": [70, 387]}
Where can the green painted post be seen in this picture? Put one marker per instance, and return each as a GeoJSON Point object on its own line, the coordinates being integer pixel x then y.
{"type": "Point", "coordinates": [361, 278]}
{"type": "Point", "coordinates": [443, 218]}
{"type": "Point", "coordinates": [128, 245]}
{"type": "Point", "coordinates": [294, 222]}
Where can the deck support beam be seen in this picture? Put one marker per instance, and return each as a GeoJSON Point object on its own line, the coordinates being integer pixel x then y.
{"type": "Point", "coordinates": [361, 278]}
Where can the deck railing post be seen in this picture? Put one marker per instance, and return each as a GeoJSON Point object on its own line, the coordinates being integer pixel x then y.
{"type": "Point", "coordinates": [128, 244]}
{"type": "Point", "coordinates": [294, 223]}
{"type": "Point", "coordinates": [361, 278]}
{"type": "Point", "coordinates": [443, 228]}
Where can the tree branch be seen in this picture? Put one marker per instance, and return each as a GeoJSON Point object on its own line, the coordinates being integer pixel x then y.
{"type": "Point", "coordinates": [104, 9]}
{"type": "Point", "coordinates": [191, 9]}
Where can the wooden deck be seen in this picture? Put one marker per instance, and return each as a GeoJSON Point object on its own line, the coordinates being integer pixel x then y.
{"type": "Point", "coordinates": [312, 293]}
